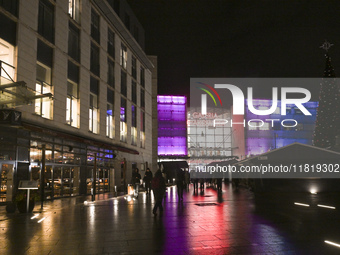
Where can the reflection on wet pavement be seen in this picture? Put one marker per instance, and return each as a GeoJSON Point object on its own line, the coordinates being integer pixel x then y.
{"type": "Point", "coordinates": [235, 222]}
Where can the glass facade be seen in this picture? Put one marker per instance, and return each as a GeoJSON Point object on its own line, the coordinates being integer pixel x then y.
{"type": "Point", "coordinates": [65, 160]}
{"type": "Point", "coordinates": [172, 130]}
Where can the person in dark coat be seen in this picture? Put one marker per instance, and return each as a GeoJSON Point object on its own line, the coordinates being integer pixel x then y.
{"type": "Point", "coordinates": [158, 188]}
{"type": "Point", "coordinates": [180, 183]}
{"type": "Point", "coordinates": [136, 180]}
{"type": "Point", "coordinates": [147, 180]}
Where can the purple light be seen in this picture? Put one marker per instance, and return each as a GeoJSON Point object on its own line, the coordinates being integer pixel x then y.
{"type": "Point", "coordinates": [171, 124]}
{"type": "Point", "coordinates": [122, 114]}
{"type": "Point", "coordinates": [172, 99]}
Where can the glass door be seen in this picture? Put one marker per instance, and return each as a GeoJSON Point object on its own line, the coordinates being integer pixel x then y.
{"type": "Point", "coordinates": [57, 184]}
{"type": "Point", "coordinates": [48, 182]}
{"type": "Point", "coordinates": [6, 182]}
{"type": "Point", "coordinates": [67, 181]}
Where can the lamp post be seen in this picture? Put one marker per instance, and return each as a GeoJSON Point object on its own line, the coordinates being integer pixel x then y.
{"type": "Point", "coordinates": [42, 175]}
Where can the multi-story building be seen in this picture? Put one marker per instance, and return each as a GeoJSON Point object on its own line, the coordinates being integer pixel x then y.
{"type": "Point", "coordinates": [76, 96]}
{"type": "Point", "coordinates": [267, 132]}
{"type": "Point", "coordinates": [208, 143]}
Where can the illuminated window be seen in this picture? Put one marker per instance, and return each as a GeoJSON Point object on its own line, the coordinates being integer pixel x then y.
{"type": "Point", "coordinates": [43, 106]}
{"type": "Point", "coordinates": [123, 119]}
{"type": "Point", "coordinates": [93, 108]}
{"type": "Point", "coordinates": [265, 126]}
{"type": "Point", "coordinates": [73, 9]}
{"type": "Point", "coordinates": [253, 127]}
{"type": "Point", "coordinates": [142, 129]}
{"type": "Point", "coordinates": [110, 127]}
{"type": "Point", "coordinates": [7, 60]}
{"type": "Point", "coordinates": [278, 110]}
{"type": "Point", "coordinates": [133, 125]}
{"type": "Point", "coordinates": [72, 104]}
{"type": "Point", "coordinates": [123, 56]}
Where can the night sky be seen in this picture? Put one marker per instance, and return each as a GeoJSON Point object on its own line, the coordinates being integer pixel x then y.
{"type": "Point", "coordinates": [211, 38]}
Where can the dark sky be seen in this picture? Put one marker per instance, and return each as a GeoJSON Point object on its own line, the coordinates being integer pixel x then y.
{"type": "Point", "coordinates": [213, 38]}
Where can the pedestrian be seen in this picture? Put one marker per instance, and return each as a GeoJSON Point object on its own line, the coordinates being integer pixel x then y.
{"type": "Point", "coordinates": [158, 189]}
{"type": "Point", "coordinates": [219, 185]}
{"type": "Point", "coordinates": [136, 180]}
{"type": "Point", "coordinates": [180, 183]}
{"type": "Point", "coordinates": [187, 179]}
{"type": "Point", "coordinates": [147, 180]}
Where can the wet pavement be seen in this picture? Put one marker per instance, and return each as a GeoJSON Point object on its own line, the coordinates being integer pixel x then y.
{"type": "Point", "coordinates": [235, 222]}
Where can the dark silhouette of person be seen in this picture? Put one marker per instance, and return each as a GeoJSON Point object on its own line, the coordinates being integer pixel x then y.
{"type": "Point", "coordinates": [147, 180]}
{"type": "Point", "coordinates": [180, 183]}
{"type": "Point", "coordinates": [158, 189]}
{"type": "Point", "coordinates": [219, 185]}
{"type": "Point", "coordinates": [136, 180]}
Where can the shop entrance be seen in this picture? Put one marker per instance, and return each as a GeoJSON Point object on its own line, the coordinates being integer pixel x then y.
{"type": "Point", "coordinates": [6, 182]}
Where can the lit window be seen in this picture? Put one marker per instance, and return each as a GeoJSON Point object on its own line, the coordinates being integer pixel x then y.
{"type": "Point", "coordinates": [93, 108]}
{"type": "Point", "coordinates": [123, 119]}
{"type": "Point", "coordinates": [43, 106]}
{"type": "Point", "coordinates": [72, 104]}
{"type": "Point", "coordinates": [109, 121]}
{"type": "Point", "coordinates": [123, 56]}
{"type": "Point", "coordinates": [252, 127]}
{"type": "Point", "coordinates": [265, 126]}
{"type": "Point", "coordinates": [7, 60]}
{"type": "Point", "coordinates": [142, 129]}
{"type": "Point", "coordinates": [110, 114]}
{"type": "Point", "coordinates": [133, 125]}
{"type": "Point", "coordinates": [73, 9]}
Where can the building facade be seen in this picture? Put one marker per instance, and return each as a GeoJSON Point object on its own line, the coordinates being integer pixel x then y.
{"type": "Point", "coordinates": [208, 143]}
{"type": "Point", "coordinates": [268, 132]}
{"type": "Point", "coordinates": [172, 126]}
{"type": "Point", "coordinates": [76, 96]}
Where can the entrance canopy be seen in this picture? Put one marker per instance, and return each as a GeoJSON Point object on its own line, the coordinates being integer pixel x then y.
{"type": "Point", "coordinates": [13, 94]}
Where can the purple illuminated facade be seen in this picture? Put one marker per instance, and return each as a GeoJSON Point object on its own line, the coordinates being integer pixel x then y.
{"type": "Point", "coordinates": [172, 125]}
{"type": "Point", "coordinates": [269, 136]}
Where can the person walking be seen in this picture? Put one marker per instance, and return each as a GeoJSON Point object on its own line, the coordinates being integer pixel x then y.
{"type": "Point", "coordinates": [180, 183]}
{"type": "Point", "coordinates": [147, 180]}
{"type": "Point", "coordinates": [136, 180]}
{"type": "Point", "coordinates": [187, 179]}
{"type": "Point", "coordinates": [158, 188]}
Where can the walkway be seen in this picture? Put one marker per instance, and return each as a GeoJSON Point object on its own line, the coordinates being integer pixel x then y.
{"type": "Point", "coordinates": [201, 224]}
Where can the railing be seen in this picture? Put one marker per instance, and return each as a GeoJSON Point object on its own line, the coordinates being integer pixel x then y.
{"type": "Point", "coordinates": [6, 73]}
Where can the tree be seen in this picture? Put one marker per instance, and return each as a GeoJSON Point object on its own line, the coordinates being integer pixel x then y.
{"type": "Point", "coordinates": [327, 119]}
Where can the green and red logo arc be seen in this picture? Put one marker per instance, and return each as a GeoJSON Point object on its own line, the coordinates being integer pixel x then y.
{"type": "Point", "coordinates": [209, 93]}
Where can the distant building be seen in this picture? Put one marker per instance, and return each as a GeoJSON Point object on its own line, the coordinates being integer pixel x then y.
{"type": "Point", "coordinates": [265, 133]}
{"type": "Point", "coordinates": [172, 126]}
{"type": "Point", "coordinates": [84, 83]}
{"type": "Point", "coordinates": [207, 143]}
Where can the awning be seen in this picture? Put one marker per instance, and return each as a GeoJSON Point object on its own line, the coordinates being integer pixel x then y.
{"type": "Point", "coordinates": [14, 94]}
{"type": "Point", "coordinates": [76, 138]}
